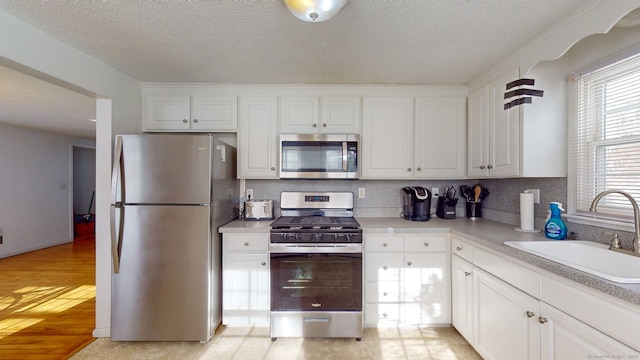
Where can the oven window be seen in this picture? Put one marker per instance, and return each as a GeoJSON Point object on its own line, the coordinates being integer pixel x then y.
{"type": "Point", "coordinates": [322, 282]}
{"type": "Point", "coordinates": [301, 156]}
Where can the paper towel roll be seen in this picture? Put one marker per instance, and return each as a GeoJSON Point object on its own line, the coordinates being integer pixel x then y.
{"type": "Point", "coordinates": [526, 211]}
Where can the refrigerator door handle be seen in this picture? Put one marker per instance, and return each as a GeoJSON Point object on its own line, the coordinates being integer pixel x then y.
{"type": "Point", "coordinates": [116, 238]}
{"type": "Point", "coordinates": [116, 245]}
{"type": "Point", "coordinates": [117, 170]}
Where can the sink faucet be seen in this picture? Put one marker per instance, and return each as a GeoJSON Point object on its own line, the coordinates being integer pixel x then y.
{"type": "Point", "coordinates": [636, 214]}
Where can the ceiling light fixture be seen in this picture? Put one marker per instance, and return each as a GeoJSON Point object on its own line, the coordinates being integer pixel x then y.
{"type": "Point", "coordinates": [314, 10]}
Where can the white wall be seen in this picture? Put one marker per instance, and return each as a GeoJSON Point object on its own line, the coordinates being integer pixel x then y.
{"type": "Point", "coordinates": [34, 189]}
{"type": "Point", "coordinates": [118, 110]}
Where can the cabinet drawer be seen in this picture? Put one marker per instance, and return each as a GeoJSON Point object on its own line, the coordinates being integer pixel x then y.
{"type": "Point", "coordinates": [516, 275]}
{"type": "Point", "coordinates": [383, 266]}
{"type": "Point", "coordinates": [382, 314]}
{"type": "Point", "coordinates": [383, 243]}
{"type": "Point", "coordinates": [461, 248]}
{"type": "Point", "coordinates": [426, 243]}
{"type": "Point", "coordinates": [244, 242]}
{"type": "Point", "coordinates": [382, 291]}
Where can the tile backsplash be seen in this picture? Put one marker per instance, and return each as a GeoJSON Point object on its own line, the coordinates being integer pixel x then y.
{"type": "Point", "coordinates": [383, 198]}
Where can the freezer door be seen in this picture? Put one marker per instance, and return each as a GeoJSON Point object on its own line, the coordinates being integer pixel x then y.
{"type": "Point", "coordinates": [163, 289]}
{"type": "Point", "coordinates": [164, 169]}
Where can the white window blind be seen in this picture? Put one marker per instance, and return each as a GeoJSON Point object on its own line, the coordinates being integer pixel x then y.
{"type": "Point", "coordinates": [605, 139]}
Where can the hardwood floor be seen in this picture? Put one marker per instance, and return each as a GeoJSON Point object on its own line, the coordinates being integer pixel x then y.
{"type": "Point", "coordinates": [47, 301]}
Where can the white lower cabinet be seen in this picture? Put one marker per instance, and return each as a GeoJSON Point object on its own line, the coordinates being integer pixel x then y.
{"type": "Point", "coordinates": [462, 297]}
{"type": "Point", "coordinates": [245, 282]}
{"type": "Point", "coordinates": [406, 279]}
{"type": "Point", "coordinates": [505, 324]}
{"type": "Point", "coordinates": [564, 337]}
{"type": "Point", "coordinates": [509, 311]}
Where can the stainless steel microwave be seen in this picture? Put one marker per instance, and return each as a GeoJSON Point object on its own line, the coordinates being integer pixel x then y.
{"type": "Point", "coordinates": [319, 156]}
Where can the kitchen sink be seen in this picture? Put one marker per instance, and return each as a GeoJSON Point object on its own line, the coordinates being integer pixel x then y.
{"type": "Point", "coordinates": [588, 256]}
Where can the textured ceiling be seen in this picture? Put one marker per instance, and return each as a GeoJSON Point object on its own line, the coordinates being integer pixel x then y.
{"type": "Point", "coordinates": [259, 41]}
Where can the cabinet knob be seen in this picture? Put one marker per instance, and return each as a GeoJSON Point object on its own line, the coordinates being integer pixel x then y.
{"type": "Point", "coordinates": [384, 293]}
{"type": "Point", "coordinates": [530, 314]}
{"type": "Point", "coordinates": [482, 167]}
{"type": "Point", "coordinates": [185, 121]}
{"type": "Point", "coordinates": [315, 125]}
{"type": "Point", "coordinates": [195, 121]}
{"type": "Point", "coordinates": [273, 168]}
{"type": "Point", "coordinates": [263, 263]}
{"type": "Point", "coordinates": [408, 169]}
{"type": "Point", "coordinates": [384, 245]}
{"type": "Point", "coordinates": [466, 273]}
{"type": "Point", "coordinates": [542, 320]}
{"type": "Point", "coordinates": [459, 248]}
{"type": "Point", "coordinates": [246, 244]}
{"type": "Point", "coordinates": [419, 169]}
{"type": "Point", "coordinates": [409, 263]}
{"type": "Point", "coordinates": [324, 125]}
{"type": "Point", "coordinates": [384, 267]}
{"type": "Point", "coordinates": [426, 244]}
{"type": "Point", "coordinates": [490, 167]}
{"type": "Point", "coordinates": [384, 315]}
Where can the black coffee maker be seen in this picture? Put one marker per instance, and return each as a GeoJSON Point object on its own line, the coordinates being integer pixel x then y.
{"type": "Point", "coordinates": [416, 203]}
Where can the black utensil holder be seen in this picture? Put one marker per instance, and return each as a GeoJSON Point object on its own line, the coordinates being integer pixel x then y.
{"type": "Point", "coordinates": [474, 210]}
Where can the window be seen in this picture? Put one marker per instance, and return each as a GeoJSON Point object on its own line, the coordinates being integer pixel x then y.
{"type": "Point", "coordinates": [604, 148]}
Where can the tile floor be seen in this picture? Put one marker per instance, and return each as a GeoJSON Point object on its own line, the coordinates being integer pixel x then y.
{"type": "Point", "coordinates": [254, 343]}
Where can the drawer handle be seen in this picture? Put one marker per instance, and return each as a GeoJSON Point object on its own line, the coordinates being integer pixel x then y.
{"type": "Point", "coordinates": [466, 273]}
{"type": "Point", "coordinates": [530, 314]}
{"type": "Point", "coordinates": [195, 121]}
{"type": "Point", "coordinates": [263, 263]}
{"type": "Point", "coordinates": [246, 244]}
{"type": "Point", "coordinates": [542, 320]}
{"type": "Point", "coordinates": [409, 263]}
{"type": "Point", "coordinates": [384, 245]}
{"type": "Point", "coordinates": [384, 293]}
{"type": "Point", "coordinates": [459, 248]}
{"type": "Point", "coordinates": [384, 267]}
{"type": "Point", "coordinates": [426, 244]}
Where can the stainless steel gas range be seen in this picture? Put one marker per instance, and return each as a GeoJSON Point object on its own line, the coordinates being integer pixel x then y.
{"type": "Point", "coordinates": [316, 267]}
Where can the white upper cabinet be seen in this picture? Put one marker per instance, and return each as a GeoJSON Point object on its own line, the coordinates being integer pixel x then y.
{"type": "Point", "coordinates": [320, 115]}
{"type": "Point", "coordinates": [258, 138]}
{"type": "Point", "coordinates": [527, 140]}
{"type": "Point", "coordinates": [494, 133]}
{"type": "Point", "coordinates": [440, 137]}
{"type": "Point", "coordinates": [387, 138]}
{"type": "Point", "coordinates": [415, 138]}
{"type": "Point", "coordinates": [190, 113]}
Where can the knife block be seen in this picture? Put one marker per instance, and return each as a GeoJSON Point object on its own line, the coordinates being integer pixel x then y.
{"type": "Point", "coordinates": [446, 208]}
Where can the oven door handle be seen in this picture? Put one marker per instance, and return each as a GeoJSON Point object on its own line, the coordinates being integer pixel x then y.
{"type": "Point", "coordinates": [315, 248]}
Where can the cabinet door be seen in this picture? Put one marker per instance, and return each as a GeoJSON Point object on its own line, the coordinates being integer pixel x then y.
{"type": "Point", "coordinates": [383, 267]}
{"type": "Point", "coordinates": [462, 297]}
{"type": "Point", "coordinates": [505, 130]}
{"type": "Point", "coordinates": [478, 132]}
{"type": "Point", "coordinates": [387, 138]}
{"type": "Point", "coordinates": [564, 337]}
{"type": "Point", "coordinates": [168, 113]}
{"type": "Point", "coordinates": [258, 138]}
{"type": "Point", "coordinates": [340, 115]}
{"type": "Point", "coordinates": [505, 320]}
{"type": "Point", "coordinates": [299, 115]}
{"type": "Point", "coordinates": [441, 137]}
{"type": "Point", "coordinates": [219, 113]}
{"type": "Point", "coordinates": [426, 288]}
{"type": "Point", "coordinates": [245, 289]}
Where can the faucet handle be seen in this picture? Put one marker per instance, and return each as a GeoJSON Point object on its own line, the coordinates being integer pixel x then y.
{"type": "Point", "coordinates": [615, 241]}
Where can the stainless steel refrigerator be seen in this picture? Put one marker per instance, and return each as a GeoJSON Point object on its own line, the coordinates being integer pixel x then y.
{"type": "Point", "coordinates": [170, 194]}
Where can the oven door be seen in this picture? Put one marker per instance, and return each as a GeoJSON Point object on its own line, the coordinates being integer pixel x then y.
{"type": "Point", "coordinates": [316, 281]}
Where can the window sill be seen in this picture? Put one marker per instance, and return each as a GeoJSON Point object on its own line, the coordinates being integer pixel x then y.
{"type": "Point", "coordinates": [607, 223]}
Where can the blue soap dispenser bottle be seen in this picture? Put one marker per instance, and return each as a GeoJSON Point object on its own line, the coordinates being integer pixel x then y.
{"type": "Point", "coordinates": [555, 228]}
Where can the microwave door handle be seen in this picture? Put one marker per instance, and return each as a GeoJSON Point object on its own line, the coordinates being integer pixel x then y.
{"type": "Point", "coordinates": [345, 158]}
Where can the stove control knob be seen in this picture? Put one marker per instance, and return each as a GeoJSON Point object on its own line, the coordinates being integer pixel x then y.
{"type": "Point", "coordinates": [317, 236]}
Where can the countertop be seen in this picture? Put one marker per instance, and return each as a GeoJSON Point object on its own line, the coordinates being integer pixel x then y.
{"type": "Point", "coordinates": [486, 233]}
